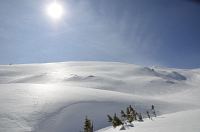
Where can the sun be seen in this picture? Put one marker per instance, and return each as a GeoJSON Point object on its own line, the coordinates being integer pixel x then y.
{"type": "Point", "coordinates": [55, 10]}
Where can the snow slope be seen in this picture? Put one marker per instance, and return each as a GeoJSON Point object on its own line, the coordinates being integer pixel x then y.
{"type": "Point", "coordinates": [185, 121]}
{"type": "Point", "coordinates": [57, 96]}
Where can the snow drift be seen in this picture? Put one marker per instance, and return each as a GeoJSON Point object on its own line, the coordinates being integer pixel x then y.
{"type": "Point", "coordinates": [57, 96]}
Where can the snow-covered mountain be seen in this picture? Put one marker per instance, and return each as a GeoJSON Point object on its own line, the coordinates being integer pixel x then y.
{"type": "Point", "coordinates": [56, 97]}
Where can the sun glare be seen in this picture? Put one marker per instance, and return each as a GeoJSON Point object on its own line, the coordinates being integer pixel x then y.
{"type": "Point", "coordinates": [55, 10]}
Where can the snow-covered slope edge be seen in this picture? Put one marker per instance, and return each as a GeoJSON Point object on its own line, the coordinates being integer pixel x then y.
{"type": "Point", "coordinates": [57, 96]}
{"type": "Point", "coordinates": [184, 121]}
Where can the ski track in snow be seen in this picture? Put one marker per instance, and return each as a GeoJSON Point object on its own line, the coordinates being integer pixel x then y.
{"type": "Point", "coordinates": [57, 112]}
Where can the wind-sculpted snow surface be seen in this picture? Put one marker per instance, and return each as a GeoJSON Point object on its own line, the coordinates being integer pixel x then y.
{"type": "Point", "coordinates": [56, 97]}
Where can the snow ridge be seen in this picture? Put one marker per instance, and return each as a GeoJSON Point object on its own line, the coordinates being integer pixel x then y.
{"type": "Point", "coordinates": [57, 96]}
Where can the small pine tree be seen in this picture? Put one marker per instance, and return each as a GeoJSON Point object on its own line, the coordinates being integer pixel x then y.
{"type": "Point", "coordinates": [130, 119]}
{"type": "Point", "coordinates": [88, 126]}
{"type": "Point", "coordinates": [129, 115]}
{"type": "Point", "coordinates": [92, 127]}
{"type": "Point", "coordinates": [148, 114]}
{"type": "Point", "coordinates": [152, 107]}
{"type": "Point", "coordinates": [116, 121]}
{"type": "Point", "coordinates": [109, 118]}
{"type": "Point", "coordinates": [140, 117]}
{"type": "Point", "coordinates": [123, 115]}
{"type": "Point", "coordinates": [153, 110]}
{"type": "Point", "coordinates": [135, 116]}
{"type": "Point", "coordinates": [133, 112]}
{"type": "Point", "coordinates": [127, 112]}
{"type": "Point", "coordinates": [131, 108]}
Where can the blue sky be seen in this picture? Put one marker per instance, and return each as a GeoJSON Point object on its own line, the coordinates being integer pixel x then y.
{"type": "Point", "coordinates": [145, 32]}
